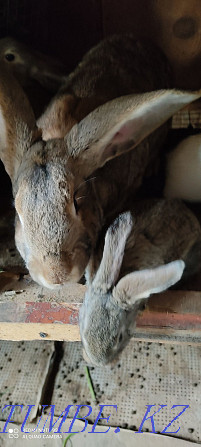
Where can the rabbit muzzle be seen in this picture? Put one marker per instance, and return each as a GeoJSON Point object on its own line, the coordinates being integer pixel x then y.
{"type": "Point", "coordinates": [52, 278]}
{"type": "Point", "coordinates": [53, 269]}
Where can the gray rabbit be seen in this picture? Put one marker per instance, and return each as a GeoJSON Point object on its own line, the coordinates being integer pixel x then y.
{"type": "Point", "coordinates": [146, 251]}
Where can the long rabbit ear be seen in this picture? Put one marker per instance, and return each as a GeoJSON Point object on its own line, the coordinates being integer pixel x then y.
{"type": "Point", "coordinates": [120, 125]}
{"type": "Point", "coordinates": [113, 252]}
{"type": "Point", "coordinates": [63, 112]}
{"type": "Point", "coordinates": [143, 283]}
{"type": "Point", "coordinates": [58, 118]}
{"type": "Point", "coordinates": [17, 123]}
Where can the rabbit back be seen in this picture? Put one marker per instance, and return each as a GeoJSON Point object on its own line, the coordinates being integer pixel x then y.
{"type": "Point", "coordinates": [119, 65]}
{"type": "Point", "coordinates": [164, 230]}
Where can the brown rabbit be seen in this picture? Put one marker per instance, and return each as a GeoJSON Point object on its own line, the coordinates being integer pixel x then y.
{"type": "Point", "coordinates": [39, 75]}
{"type": "Point", "coordinates": [66, 189]}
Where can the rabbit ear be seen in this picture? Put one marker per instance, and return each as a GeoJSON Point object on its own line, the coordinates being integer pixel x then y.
{"type": "Point", "coordinates": [120, 125]}
{"type": "Point", "coordinates": [17, 123]}
{"type": "Point", "coordinates": [143, 283]}
{"type": "Point", "coordinates": [113, 252]}
{"type": "Point", "coordinates": [58, 118]}
{"type": "Point", "coordinates": [63, 112]}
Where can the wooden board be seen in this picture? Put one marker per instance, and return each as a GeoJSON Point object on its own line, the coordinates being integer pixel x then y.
{"type": "Point", "coordinates": [171, 316]}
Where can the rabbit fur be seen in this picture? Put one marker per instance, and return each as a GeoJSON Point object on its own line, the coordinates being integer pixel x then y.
{"type": "Point", "coordinates": [117, 66]}
{"type": "Point", "coordinates": [40, 75]}
{"type": "Point", "coordinates": [66, 189]}
{"type": "Point", "coordinates": [183, 170]}
{"type": "Point", "coordinates": [146, 251]}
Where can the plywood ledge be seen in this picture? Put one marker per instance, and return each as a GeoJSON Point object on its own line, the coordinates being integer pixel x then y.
{"type": "Point", "coordinates": [169, 316]}
{"type": "Point", "coordinates": [39, 331]}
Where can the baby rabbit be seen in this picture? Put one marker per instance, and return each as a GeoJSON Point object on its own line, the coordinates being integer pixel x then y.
{"type": "Point", "coordinates": [146, 251]}
{"type": "Point", "coordinates": [39, 75]}
{"type": "Point", "coordinates": [183, 170]}
{"type": "Point", "coordinates": [67, 189]}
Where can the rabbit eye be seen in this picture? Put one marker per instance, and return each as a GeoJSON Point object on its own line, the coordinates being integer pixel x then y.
{"type": "Point", "coordinates": [9, 57]}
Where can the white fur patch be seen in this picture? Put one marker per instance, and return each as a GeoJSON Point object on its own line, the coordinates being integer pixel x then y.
{"type": "Point", "coordinates": [42, 281]}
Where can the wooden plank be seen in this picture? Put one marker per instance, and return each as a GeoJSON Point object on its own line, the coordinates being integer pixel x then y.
{"type": "Point", "coordinates": [187, 118]}
{"type": "Point", "coordinates": [32, 331]}
{"type": "Point", "coordinates": [162, 335]}
{"type": "Point", "coordinates": [173, 315]}
{"type": "Point", "coordinates": [13, 288]}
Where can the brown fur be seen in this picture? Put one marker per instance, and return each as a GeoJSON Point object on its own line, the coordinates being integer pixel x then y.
{"type": "Point", "coordinates": [54, 234]}
{"type": "Point", "coordinates": [117, 66]}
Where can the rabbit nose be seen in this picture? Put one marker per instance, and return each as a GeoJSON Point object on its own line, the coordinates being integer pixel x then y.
{"type": "Point", "coordinates": [43, 276]}
{"type": "Point", "coordinates": [88, 360]}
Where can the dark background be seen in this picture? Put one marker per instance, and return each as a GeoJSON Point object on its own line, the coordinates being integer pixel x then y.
{"type": "Point", "coordinates": [68, 28]}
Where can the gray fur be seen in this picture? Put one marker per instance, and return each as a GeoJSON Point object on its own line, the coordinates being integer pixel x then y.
{"type": "Point", "coordinates": [164, 237]}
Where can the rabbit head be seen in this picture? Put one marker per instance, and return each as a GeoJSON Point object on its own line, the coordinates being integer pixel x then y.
{"type": "Point", "coordinates": [55, 228]}
{"type": "Point", "coordinates": [27, 64]}
{"type": "Point", "coordinates": [38, 74]}
{"type": "Point", "coordinates": [108, 313]}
